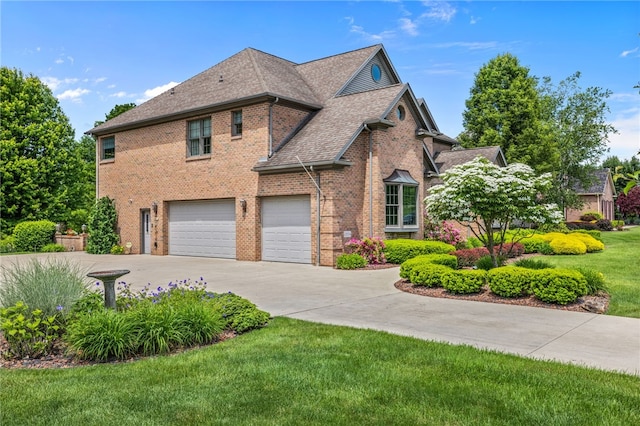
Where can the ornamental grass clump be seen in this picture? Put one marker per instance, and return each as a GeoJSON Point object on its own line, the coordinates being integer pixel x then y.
{"type": "Point", "coordinates": [50, 286]}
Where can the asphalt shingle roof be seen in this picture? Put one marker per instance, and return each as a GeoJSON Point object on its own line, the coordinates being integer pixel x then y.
{"type": "Point", "coordinates": [598, 185]}
{"type": "Point", "coordinates": [447, 159]}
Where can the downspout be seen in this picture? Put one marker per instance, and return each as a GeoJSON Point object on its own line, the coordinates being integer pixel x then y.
{"type": "Point", "coordinates": [370, 180]}
{"type": "Point", "coordinates": [317, 217]}
{"type": "Point", "coordinates": [97, 169]}
{"type": "Point", "coordinates": [271, 126]}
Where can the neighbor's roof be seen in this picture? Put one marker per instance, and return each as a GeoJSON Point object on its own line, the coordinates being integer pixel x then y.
{"type": "Point", "coordinates": [447, 159]}
{"type": "Point", "coordinates": [598, 185]}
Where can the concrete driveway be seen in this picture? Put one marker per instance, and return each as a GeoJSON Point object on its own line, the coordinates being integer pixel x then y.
{"type": "Point", "coordinates": [368, 299]}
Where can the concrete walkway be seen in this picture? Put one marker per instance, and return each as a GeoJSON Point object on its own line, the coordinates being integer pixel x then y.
{"type": "Point", "coordinates": [368, 299]}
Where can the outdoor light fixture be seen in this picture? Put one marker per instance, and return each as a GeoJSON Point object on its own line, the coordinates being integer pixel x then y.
{"type": "Point", "coordinates": [84, 229]}
{"type": "Point", "coordinates": [154, 207]}
{"type": "Point", "coordinates": [243, 204]}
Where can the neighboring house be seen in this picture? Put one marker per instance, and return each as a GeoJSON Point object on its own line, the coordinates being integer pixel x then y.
{"type": "Point", "coordinates": [260, 158]}
{"type": "Point", "coordinates": [599, 197]}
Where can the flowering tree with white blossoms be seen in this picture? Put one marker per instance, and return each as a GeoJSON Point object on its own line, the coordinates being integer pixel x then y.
{"type": "Point", "coordinates": [492, 197]}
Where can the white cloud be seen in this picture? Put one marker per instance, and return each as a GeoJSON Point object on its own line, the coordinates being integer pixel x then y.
{"type": "Point", "coordinates": [374, 38]}
{"type": "Point", "coordinates": [120, 94]}
{"type": "Point", "coordinates": [408, 26]}
{"type": "Point", "coordinates": [151, 93]}
{"type": "Point", "coordinates": [473, 45]}
{"type": "Point", "coordinates": [626, 53]}
{"type": "Point", "coordinates": [100, 79]}
{"type": "Point", "coordinates": [626, 142]}
{"type": "Point", "coordinates": [111, 86]}
{"type": "Point", "coordinates": [59, 61]}
{"type": "Point", "coordinates": [53, 83]}
{"type": "Point", "coordinates": [73, 95]}
{"type": "Point", "coordinates": [70, 58]}
{"type": "Point", "coordinates": [474, 20]}
{"type": "Point", "coordinates": [439, 10]}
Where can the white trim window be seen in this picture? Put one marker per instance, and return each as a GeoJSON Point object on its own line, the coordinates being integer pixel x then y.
{"type": "Point", "coordinates": [401, 202]}
{"type": "Point", "coordinates": [199, 137]}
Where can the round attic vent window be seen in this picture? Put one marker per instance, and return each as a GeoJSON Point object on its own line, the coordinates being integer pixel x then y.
{"type": "Point", "coordinates": [400, 112]}
{"type": "Point", "coordinates": [376, 73]}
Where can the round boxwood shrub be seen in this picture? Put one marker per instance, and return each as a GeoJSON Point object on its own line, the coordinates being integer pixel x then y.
{"type": "Point", "coordinates": [438, 259]}
{"type": "Point", "coordinates": [33, 235]}
{"type": "Point", "coordinates": [53, 248]}
{"type": "Point", "coordinates": [568, 245]}
{"type": "Point", "coordinates": [592, 244]}
{"type": "Point", "coordinates": [350, 261]}
{"type": "Point", "coordinates": [401, 250]}
{"type": "Point", "coordinates": [511, 281]}
{"type": "Point", "coordinates": [429, 274]}
{"type": "Point", "coordinates": [560, 286]}
{"type": "Point", "coordinates": [464, 281]}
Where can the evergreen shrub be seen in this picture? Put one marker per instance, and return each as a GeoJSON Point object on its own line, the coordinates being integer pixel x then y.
{"type": "Point", "coordinates": [428, 274]}
{"type": "Point", "coordinates": [33, 235]}
{"type": "Point", "coordinates": [401, 250]}
{"type": "Point", "coordinates": [439, 259]}
{"type": "Point", "coordinates": [464, 281]}
{"type": "Point", "coordinates": [568, 245]}
{"type": "Point", "coordinates": [591, 243]}
{"type": "Point", "coordinates": [469, 257]}
{"type": "Point", "coordinates": [560, 286]}
{"type": "Point", "coordinates": [102, 225]}
{"type": "Point", "coordinates": [511, 281]}
{"type": "Point", "coordinates": [350, 261]}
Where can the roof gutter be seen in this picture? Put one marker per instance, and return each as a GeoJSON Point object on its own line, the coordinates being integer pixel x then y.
{"type": "Point", "coordinates": [287, 168]}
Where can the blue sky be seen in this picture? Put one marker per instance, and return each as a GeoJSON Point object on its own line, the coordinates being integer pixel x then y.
{"type": "Point", "coordinates": [94, 55]}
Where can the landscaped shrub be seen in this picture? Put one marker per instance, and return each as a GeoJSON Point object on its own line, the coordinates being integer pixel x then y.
{"type": "Point", "coordinates": [590, 216]}
{"type": "Point", "coordinates": [400, 250]}
{"type": "Point", "coordinates": [604, 225]}
{"type": "Point", "coordinates": [53, 248]}
{"type": "Point", "coordinates": [560, 286]}
{"type": "Point", "coordinates": [428, 274]}
{"type": "Point", "coordinates": [486, 262]}
{"type": "Point", "coordinates": [198, 323]}
{"type": "Point", "coordinates": [51, 286]}
{"type": "Point", "coordinates": [371, 249]}
{"type": "Point", "coordinates": [239, 313]}
{"type": "Point", "coordinates": [591, 243]}
{"type": "Point", "coordinates": [464, 281]}
{"type": "Point", "coordinates": [33, 235]}
{"type": "Point", "coordinates": [350, 261]}
{"type": "Point", "coordinates": [533, 244]}
{"type": "Point", "coordinates": [568, 245]}
{"type": "Point", "coordinates": [618, 224]}
{"type": "Point", "coordinates": [533, 264]}
{"type": "Point", "coordinates": [582, 225]}
{"type": "Point", "coordinates": [116, 249]}
{"type": "Point", "coordinates": [29, 334]}
{"type": "Point", "coordinates": [102, 225]}
{"type": "Point", "coordinates": [442, 231]}
{"type": "Point", "coordinates": [438, 259]}
{"type": "Point", "coordinates": [8, 244]}
{"type": "Point", "coordinates": [155, 327]}
{"type": "Point", "coordinates": [510, 281]}
{"type": "Point", "coordinates": [469, 257]}
{"type": "Point", "coordinates": [474, 242]}
{"type": "Point", "coordinates": [511, 250]}
{"type": "Point", "coordinates": [595, 280]}
{"type": "Point", "coordinates": [595, 233]}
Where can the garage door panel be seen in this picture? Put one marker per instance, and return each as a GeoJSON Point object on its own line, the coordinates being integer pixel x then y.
{"type": "Point", "coordinates": [286, 229]}
{"type": "Point", "coordinates": [203, 228]}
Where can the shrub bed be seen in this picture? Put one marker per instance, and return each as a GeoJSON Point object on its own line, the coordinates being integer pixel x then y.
{"type": "Point", "coordinates": [33, 235]}
{"type": "Point", "coordinates": [464, 281]}
{"type": "Point", "coordinates": [568, 245]}
{"type": "Point", "coordinates": [591, 243]}
{"type": "Point", "coordinates": [428, 274]}
{"type": "Point", "coordinates": [438, 259]}
{"type": "Point", "coordinates": [469, 257]}
{"type": "Point", "coordinates": [560, 286]}
{"type": "Point", "coordinates": [401, 250]}
{"type": "Point", "coordinates": [350, 261]}
{"type": "Point", "coordinates": [510, 281]}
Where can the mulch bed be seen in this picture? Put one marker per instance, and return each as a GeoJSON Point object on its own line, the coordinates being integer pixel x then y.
{"type": "Point", "coordinates": [59, 359]}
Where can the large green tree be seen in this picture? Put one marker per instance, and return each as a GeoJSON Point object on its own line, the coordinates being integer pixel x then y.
{"type": "Point", "coordinates": [116, 111]}
{"type": "Point", "coordinates": [40, 166]}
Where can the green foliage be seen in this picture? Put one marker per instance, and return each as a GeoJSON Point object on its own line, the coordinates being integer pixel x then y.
{"type": "Point", "coordinates": [77, 218]}
{"type": "Point", "coordinates": [510, 281]}
{"type": "Point", "coordinates": [29, 334]}
{"type": "Point", "coordinates": [560, 286]}
{"type": "Point", "coordinates": [464, 281]}
{"type": "Point", "coordinates": [198, 323]}
{"type": "Point", "coordinates": [591, 243]}
{"type": "Point", "coordinates": [102, 335]}
{"type": "Point", "coordinates": [428, 274]}
{"type": "Point", "coordinates": [595, 280]}
{"type": "Point", "coordinates": [474, 242]}
{"type": "Point", "coordinates": [592, 232]}
{"type": "Point", "coordinates": [51, 286]}
{"type": "Point", "coordinates": [568, 245]}
{"type": "Point", "coordinates": [350, 261]}
{"type": "Point", "coordinates": [116, 249]}
{"type": "Point", "coordinates": [533, 264]}
{"type": "Point", "coordinates": [486, 262]}
{"type": "Point", "coordinates": [53, 248]}
{"type": "Point", "coordinates": [618, 224]}
{"type": "Point", "coordinates": [491, 197]}
{"type": "Point", "coordinates": [624, 171]}
{"type": "Point", "coordinates": [33, 235]}
{"type": "Point", "coordinates": [102, 226]}
{"type": "Point", "coordinates": [116, 111]}
{"type": "Point", "coordinates": [371, 249]}
{"type": "Point", "coordinates": [155, 327]}
{"type": "Point", "coordinates": [437, 259]}
{"type": "Point", "coordinates": [8, 244]}
{"type": "Point", "coordinates": [590, 216]}
{"type": "Point", "coordinates": [533, 244]}
{"type": "Point", "coordinates": [400, 250]}
{"type": "Point", "coordinates": [41, 175]}
{"type": "Point", "coordinates": [239, 313]}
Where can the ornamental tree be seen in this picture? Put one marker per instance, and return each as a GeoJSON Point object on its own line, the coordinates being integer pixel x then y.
{"type": "Point", "coordinates": [492, 197]}
{"type": "Point", "coordinates": [629, 203]}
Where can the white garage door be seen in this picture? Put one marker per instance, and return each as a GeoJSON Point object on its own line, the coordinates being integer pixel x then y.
{"type": "Point", "coordinates": [203, 228]}
{"type": "Point", "coordinates": [286, 229]}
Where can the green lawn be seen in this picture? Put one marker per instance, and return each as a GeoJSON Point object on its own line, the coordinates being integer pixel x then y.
{"type": "Point", "coordinates": [300, 373]}
{"type": "Point", "coordinates": [620, 264]}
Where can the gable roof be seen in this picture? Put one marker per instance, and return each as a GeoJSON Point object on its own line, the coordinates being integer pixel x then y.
{"type": "Point", "coordinates": [598, 185]}
{"type": "Point", "coordinates": [447, 159]}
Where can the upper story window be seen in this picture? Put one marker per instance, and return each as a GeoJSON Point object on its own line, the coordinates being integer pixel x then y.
{"type": "Point", "coordinates": [236, 123]}
{"type": "Point", "coordinates": [376, 72]}
{"type": "Point", "coordinates": [401, 202]}
{"type": "Point", "coordinates": [199, 137]}
{"type": "Point", "coordinates": [108, 148]}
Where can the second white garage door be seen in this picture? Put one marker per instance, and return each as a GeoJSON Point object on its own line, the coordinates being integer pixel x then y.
{"type": "Point", "coordinates": [203, 228]}
{"type": "Point", "coordinates": [286, 229]}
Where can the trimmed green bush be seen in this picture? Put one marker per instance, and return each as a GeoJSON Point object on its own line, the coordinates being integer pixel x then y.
{"type": "Point", "coordinates": [486, 262]}
{"type": "Point", "coordinates": [8, 244]}
{"type": "Point", "coordinates": [560, 286]}
{"type": "Point", "coordinates": [401, 250]}
{"type": "Point", "coordinates": [533, 264]}
{"type": "Point", "coordinates": [592, 244]}
{"type": "Point", "coordinates": [350, 261]}
{"type": "Point", "coordinates": [33, 235]}
{"type": "Point", "coordinates": [437, 259]}
{"type": "Point", "coordinates": [239, 313]}
{"type": "Point", "coordinates": [428, 274]}
{"type": "Point", "coordinates": [53, 248]}
{"type": "Point", "coordinates": [511, 281]}
{"type": "Point", "coordinates": [568, 245]}
{"type": "Point", "coordinates": [593, 232]}
{"type": "Point", "coordinates": [464, 281]}
{"type": "Point", "coordinates": [474, 242]}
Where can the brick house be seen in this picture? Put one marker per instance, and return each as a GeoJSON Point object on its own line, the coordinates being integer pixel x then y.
{"type": "Point", "coordinates": [260, 158]}
{"type": "Point", "coordinates": [598, 197]}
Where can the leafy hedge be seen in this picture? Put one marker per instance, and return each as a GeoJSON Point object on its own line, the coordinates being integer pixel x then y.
{"type": "Point", "coordinates": [350, 261]}
{"type": "Point", "coordinates": [568, 245]}
{"type": "Point", "coordinates": [33, 235]}
{"type": "Point", "coordinates": [438, 259]}
{"type": "Point", "coordinates": [401, 250]}
{"type": "Point", "coordinates": [428, 274]}
{"type": "Point", "coordinates": [510, 281]}
{"type": "Point", "coordinates": [560, 286]}
{"type": "Point", "coordinates": [464, 281]}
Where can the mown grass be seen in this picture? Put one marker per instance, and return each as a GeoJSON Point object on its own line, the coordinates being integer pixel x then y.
{"type": "Point", "coordinates": [294, 372]}
{"type": "Point", "coordinates": [620, 264]}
